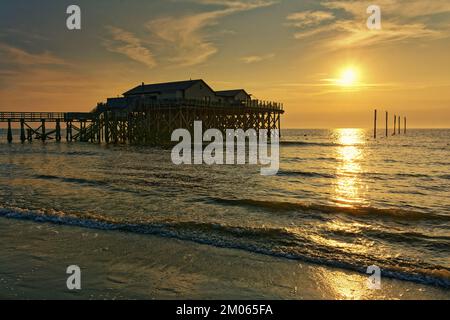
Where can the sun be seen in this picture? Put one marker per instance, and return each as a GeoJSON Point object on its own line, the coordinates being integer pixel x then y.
{"type": "Point", "coordinates": [348, 77]}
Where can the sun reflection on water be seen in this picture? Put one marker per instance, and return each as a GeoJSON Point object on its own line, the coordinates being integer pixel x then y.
{"type": "Point", "coordinates": [349, 153]}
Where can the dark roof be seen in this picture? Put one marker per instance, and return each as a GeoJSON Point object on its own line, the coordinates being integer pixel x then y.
{"type": "Point", "coordinates": [230, 93]}
{"type": "Point", "coordinates": [162, 87]}
{"type": "Point", "coordinates": [117, 103]}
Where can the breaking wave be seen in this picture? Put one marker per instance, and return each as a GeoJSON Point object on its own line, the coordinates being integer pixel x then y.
{"type": "Point", "coordinates": [280, 242]}
{"type": "Point", "coordinates": [392, 213]}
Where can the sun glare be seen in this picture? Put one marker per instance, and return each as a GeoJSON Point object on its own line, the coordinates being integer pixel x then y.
{"type": "Point", "coordinates": [348, 77]}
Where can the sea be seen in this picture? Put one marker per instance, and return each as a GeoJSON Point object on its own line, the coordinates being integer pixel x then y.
{"type": "Point", "coordinates": [341, 199]}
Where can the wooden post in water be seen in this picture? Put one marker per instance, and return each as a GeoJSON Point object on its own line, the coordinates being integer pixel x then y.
{"type": "Point", "coordinates": [399, 125]}
{"type": "Point", "coordinates": [99, 130]}
{"type": "Point", "coordinates": [375, 124]}
{"type": "Point", "coordinates": [92, 131]}
{"type": "Point", "coordinates": [58, 130]}
{"type": "Point", "coordinates": [82, 131]}
{"type": "Point", "coordinates": [387, 126]}
{"type": "Point", "coordinates": [85, 132]}
{"type": "Point", "coordinates": [22, 130]}
{"type": "Point", "coordinates": [395, 124]}
{"type": "Point", "coordinates": [69, 131]}
{"type": "Point", "coordinates": [10, 136]}
{"type": "Point", "coordinates": [106, 119]}
{"type": "Point", "coordinates": [43, 136]}
{"type": "Point", "coordinates": [279, 127]}
{"type": "Point", "coordinates": [29, 135]}
{"type": "Point", "coordinates": [404, 126]}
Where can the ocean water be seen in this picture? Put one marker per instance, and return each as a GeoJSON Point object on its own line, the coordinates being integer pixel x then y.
{"type": "Point", "coordinates": [340, 199]}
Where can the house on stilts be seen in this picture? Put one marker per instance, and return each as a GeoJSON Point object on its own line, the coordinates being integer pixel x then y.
{"type": "Point", "coordinates": [149, 113]}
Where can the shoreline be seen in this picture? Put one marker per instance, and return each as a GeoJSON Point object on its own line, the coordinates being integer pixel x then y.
{"type": "Point", "coordinates": [117, 265]}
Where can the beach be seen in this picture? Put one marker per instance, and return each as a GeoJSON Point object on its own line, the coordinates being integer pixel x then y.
{"type": "Point", "coordinates": [126, 266]}
{"type": "Point", "coordinates": [140, 227]}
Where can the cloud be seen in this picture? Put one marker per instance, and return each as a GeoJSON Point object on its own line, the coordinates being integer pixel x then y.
{"type": "Point", "coordinates": [309, 18]}
{"type": "Point", "coordinates": [24, 36]}
{"type": "Point", "coordinates": [400, 22]}
{"type": "Point", "coordinates": [399, 8]}
{"type": "Point", "coordinates": [186, 35]}
{"type": "Point", "coordinates": [17, 56]}
{"type": "Point", "coordinates": [181, 40]}
{"type": "Point", "coordinates": [355, 35]}
{"type": "Point", "coordinates": [127, 44]}
{"type": "Point", "coordinates": [256, 58]}
{"type": "Point", "coordinates": [239, 5]}
{"type": "Point", "coordinates": [189, 46]}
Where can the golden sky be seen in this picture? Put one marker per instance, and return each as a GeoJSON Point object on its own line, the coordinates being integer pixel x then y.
{"type": "Point", "coordinates": [317, 57]}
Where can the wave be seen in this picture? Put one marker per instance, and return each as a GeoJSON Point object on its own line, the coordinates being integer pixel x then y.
{"type": "Point", "coordinates": [413, 175]}
{"type": "Point", "coordinates": [439, 163]}
{"type": "Point", "coordinates": [327, 159]}
{"type": "Point", "coordinates": [391, 161]}
{"type": "Point", "coordinates": [306, 143]}
{"type": "Point", "coordinates": [82, 153]}
{"type": "Point", "coordinates": [431, 242]}
{"type": "Point", "coordinates": [280, 242]}
{"type": "Point", "coordinates": [72, 180]}
{"type": "Point", "coordinates": [386, 176]}
{"type": "Point", "coordinates": [305, 174]}
{"type": "Point", "coordinates": [393, 213]}
{"type": "Point", "coordinates": [383, 176]}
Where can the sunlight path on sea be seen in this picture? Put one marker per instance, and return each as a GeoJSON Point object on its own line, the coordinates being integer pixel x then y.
{"type": "Point", "coordinates": [349, 154]}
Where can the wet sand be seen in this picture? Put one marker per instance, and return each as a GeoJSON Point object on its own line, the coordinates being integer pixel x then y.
{"type": "Point", "coordinates": [118, 265]}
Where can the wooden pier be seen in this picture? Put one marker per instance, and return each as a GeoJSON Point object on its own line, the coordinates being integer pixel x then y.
{"type": "Point", "coordinates": [144, 123]}
{"type": "Point", "coordinates": [33, 125]}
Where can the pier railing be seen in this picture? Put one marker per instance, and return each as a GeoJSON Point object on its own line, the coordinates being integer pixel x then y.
{"type": "Point", "coordinates": [137, 104]}
{"type": "Point", "coordinates": [46, 116]}
{"type": "Point", "coordinates": [31, 116]}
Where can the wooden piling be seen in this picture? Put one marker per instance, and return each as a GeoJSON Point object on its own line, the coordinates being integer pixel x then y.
{"type": "Point", "coordinates": [395, 124]}
{"type": "Point", "coordinates": [43, 135]}
{"type": "Point", "coordinates": [68, 131]}
{"type": "Point", "coordinates": [10, 136]}
{"type": "Point", "coordinates": [99, 131]}
{"type": "Point", "coordinates": [86, 132]}
{"type": "Point", "coordinates": [80, 132]}
{"type": "Point", "coordinates": [83, 131]}
{"type": "Point", "coordinates": [58, 131]}
{"type": "Point", "coordinates": [85, 135]}
{"type": "Point", "coordinates": [106, 119]}
{"type": "Point", "coordinates": [375, 124]}
{"type": "Point", "coordinates": [279, 127]}
{"type": "Point", "coordinates": [22, 131]}
{"type": "Point", "coordinates": [399, 125]}
{"type": "Point", "coordinates": [387, 124]}
{"type": "Point", "coordinates": [404, 126]}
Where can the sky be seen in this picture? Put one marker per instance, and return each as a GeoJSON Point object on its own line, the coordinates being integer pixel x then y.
{"type": "Point", "coordinates": [319, 58]}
